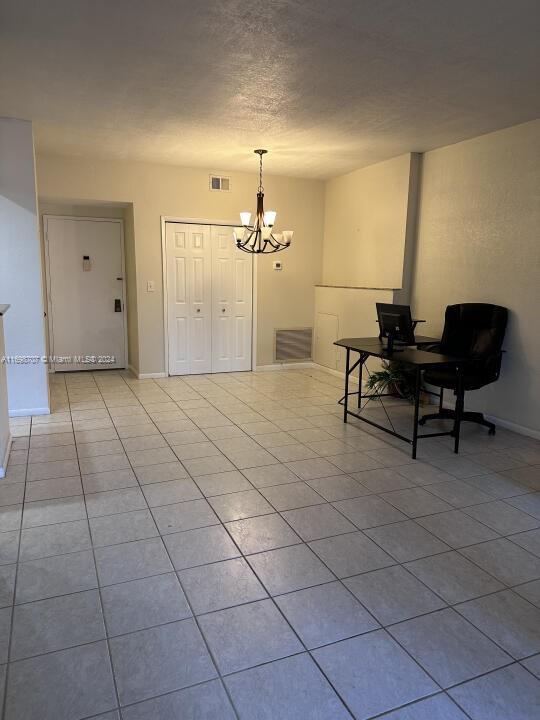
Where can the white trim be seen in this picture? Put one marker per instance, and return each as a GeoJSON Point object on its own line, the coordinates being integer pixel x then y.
{"type": "Point", "coordinates": [285, 366]}
{"type": "Point", "coordinates": [514, 427]}
{"type": "Point", "coordinates": [507, 424]}
{"type": "Point", "coordinates": [151, 376]}
{"type": "Point", "coordinates": [336, 373]}
{"type": "Point", "coordinates": [3, 466]}
{"type": "Point", "coordinates": [50, 322]}
{"type": "Point", "coordinates": [501, 422]}
{"type": "Point", "coordinates": [26, 412]}
{"type": "Point", "coordinates": [254, 292]}
{"type": "Point", "coordinates": [164, 220]}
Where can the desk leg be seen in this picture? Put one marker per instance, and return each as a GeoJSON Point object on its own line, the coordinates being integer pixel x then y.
{"type": "Point", "coordinates": [360, 369]}
{"type": "Point", "coordinates": [460, 393]}
{"type": "Point", "coordinates": [416, 408]}
{"type": "Point", "coordinates": [346, 401]}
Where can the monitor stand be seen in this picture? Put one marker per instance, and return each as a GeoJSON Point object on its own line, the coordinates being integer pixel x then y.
{"type": "Point", "coordinates": [390, 349]}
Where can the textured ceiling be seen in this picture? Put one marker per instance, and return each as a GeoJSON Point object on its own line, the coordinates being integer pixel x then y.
{"type": "Point", "coordinates": [326, 87]}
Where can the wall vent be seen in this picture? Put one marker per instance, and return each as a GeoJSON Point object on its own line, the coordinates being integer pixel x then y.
{"type": "Point", "coordinates": [293, 344]}
{"type": "Point", "coordinates": [220, 183]}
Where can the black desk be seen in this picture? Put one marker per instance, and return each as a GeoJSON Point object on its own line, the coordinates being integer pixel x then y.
{"type": "Point", "coordinates": [416, 358]}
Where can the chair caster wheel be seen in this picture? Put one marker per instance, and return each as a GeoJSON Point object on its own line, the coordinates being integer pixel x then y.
{"type": "Point", "coordinates": [491, 431]}
{"type": "Point", "coordinates": [422, 421]}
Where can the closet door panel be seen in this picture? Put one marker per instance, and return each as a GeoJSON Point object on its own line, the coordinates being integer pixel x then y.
{"type": "Point", "coordinates": [222, 247]}
{"type": "Point", "coordinates": [189, 278]}
{"type": "Point", "coordinates": [242, 311]}
{"type": "Point", "coordinates": [201, 299]}
{"type": "Point", "coordinates": [177, 298]}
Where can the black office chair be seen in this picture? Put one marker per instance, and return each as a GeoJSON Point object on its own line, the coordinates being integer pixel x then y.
{"type": "Point", "coordinates": [475, 331]}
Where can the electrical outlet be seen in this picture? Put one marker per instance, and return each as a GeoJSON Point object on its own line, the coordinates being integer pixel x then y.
{"type": "Point", "coordinates": [277, 265]}
{"type": "Point", "coordinates": [150, 286]}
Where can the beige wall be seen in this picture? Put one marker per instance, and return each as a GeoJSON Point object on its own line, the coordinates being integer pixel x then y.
{"type": "Point", "coordinates": [368, 250]}
{"type": "Point", "coordinates": [20, 270]}
{"type": "Point", "coordinates": [365, 226]}
{"type": "Point", "coordinates": [285, 299]}
{"type": "Point", "coordinates": [479, 241]}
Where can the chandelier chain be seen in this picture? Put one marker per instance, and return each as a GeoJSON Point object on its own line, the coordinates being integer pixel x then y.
{"type": "Point", "coordinates": [261, 188]}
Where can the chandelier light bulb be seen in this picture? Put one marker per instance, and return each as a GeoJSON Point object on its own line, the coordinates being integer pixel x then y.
{"type": "Point", "coordinates": [239, 234]}
{"type": "Point", "coordinates": [245, 218]}
{"type": "Point", "coordinates": [288, 236]}
{"type": "Point", "coordinates": [270, 217]}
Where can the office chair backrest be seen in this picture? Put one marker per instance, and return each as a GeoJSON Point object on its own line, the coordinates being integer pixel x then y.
{"type": "Point", "coordinates": [474, 330]}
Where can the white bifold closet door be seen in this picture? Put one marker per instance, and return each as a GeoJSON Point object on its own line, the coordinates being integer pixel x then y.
{"type": "Point", "coordinates": [209, 300]}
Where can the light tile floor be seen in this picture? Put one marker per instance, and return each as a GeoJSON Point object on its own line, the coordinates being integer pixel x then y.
{"type": "Point", "coordinates": [225, 547]}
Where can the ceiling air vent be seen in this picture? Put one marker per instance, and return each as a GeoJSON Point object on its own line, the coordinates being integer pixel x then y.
{"type": "Point", "coordinates": [219, 182]}
{"type": "Point", "coordinates": [292, 345]}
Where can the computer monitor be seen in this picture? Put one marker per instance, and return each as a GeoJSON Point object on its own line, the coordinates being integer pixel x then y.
{"type": "Point", "coordinates": [395, 324]}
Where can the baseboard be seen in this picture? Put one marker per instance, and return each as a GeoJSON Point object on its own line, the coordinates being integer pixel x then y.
{"type": "Point", "coordinates": [151, 376]}
{"type": "Point", "coordinates": [3, 466]}
{"type": "Point", "coordinates": [26, 412]}
{"type": "Point", "coordinates": [500, 422]}
{"type": "Point", "coordinates": [285, 366]}
{"type": "Point", "coordinates": [514, 427]}
{"type": "Point", "coordinates": [336, 373]}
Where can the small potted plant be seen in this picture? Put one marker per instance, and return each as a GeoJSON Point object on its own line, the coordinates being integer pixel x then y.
{"type": "Point", "coordinates": [395, 378]}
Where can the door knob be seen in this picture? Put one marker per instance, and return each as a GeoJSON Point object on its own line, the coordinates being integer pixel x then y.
{"type": "Point", "coordinates": [198, 309]}
{"type": "Point", "coordinates": [222, 309]}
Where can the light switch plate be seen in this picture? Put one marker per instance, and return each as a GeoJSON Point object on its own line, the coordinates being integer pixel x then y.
{"type": "Point", "coordinates": [150, 286]}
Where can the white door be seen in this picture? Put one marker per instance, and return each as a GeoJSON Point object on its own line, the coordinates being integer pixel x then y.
{"type": "Point", "coordinates": [189, 301]}
{"type": "Point", "coordinates": [231, 303]}
{"type": "Point", "coordinates": [85, 292]}
{"type": "Point", "coordinates": [209, 300]}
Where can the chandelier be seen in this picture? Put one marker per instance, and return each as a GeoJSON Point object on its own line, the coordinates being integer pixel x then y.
{"type": "Point", "coordinates": [259, 237]}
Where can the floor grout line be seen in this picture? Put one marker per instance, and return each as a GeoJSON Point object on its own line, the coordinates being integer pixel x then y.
{"type": "Point", "coordinates": [223, 524]}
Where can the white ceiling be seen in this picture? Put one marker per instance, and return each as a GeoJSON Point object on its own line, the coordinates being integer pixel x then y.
{"type": "Point", "coordinates": [326, 86]}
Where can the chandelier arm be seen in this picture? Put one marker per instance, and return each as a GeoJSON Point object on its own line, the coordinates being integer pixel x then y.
{"type": "Point", "coordinates": [274, 250]}
{"type": "Point", "coordinates": [260, 252]}
{"type": "Point", "coordinates": [277, 243]}
{"type": "Point", "coordinates": [246, 241]}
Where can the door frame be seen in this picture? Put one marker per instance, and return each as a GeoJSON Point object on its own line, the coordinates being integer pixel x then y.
{"type": "Point", "coordinates": [50, 319]}
{"type": "Point", "coordinates": [201, 221]}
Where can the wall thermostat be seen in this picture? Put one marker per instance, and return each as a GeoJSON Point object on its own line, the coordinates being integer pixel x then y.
{"type": "Point", "coordinates": [277, 265]}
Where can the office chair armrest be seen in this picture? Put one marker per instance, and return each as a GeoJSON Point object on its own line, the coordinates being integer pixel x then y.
{"type": "Point", "coordinates": [486, 366]}
{"type": "Point", "coordinates": [492, 364]}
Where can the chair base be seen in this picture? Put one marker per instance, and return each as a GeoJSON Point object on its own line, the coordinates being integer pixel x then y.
{"type": "Point", "coordinates": [469, 416]}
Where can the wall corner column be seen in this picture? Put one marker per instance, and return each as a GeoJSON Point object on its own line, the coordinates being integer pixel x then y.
{"type": "Point", "coordinates": [21, 276]}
